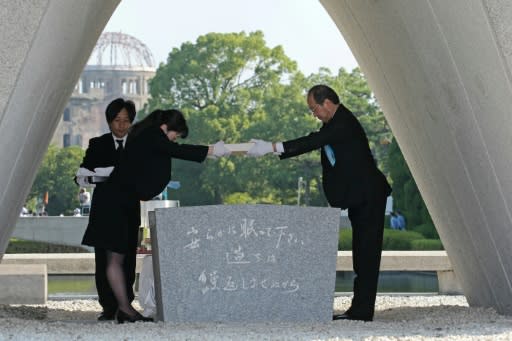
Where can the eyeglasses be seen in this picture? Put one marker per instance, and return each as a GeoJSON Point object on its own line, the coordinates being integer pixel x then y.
{"type": "Point", "coordinates": [312, 111]}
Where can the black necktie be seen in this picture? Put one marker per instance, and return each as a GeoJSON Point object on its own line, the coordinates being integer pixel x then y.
{"type": "Point", "coordinates": [119, 145]}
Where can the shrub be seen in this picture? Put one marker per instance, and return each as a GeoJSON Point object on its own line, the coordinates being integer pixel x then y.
{"type": "Point", "coordinates": [387, 221]}
{"type": "Point", "coordinates": [27, 246]}
{"type": "Point", "coordinates": [393, 240]}
{"type": "Point", "coordinates": [239, 198]}
{"type": "Point", "coordinates": [427, 244]}
{"type": "Point", "coordinates": [399, 240]}
{"type": "Point", "coordinates": [427, 230]}
{"type": "Point", "coordinates": [345, 239]}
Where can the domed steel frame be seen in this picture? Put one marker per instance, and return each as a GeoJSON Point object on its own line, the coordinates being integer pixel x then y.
{"type": "Point", "coordinates": [121, 49]}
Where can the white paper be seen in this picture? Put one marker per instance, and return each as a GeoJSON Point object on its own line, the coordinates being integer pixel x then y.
{"type": "Point", "coordinates": [239, 147]}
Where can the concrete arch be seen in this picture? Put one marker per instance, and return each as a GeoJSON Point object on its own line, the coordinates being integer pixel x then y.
{"type": "Point", "coordinates": [441, 71]}
{"type": "Point", "coordinates": [45, 45]}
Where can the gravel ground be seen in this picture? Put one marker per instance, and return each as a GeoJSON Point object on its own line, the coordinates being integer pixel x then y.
{"type": "Point", "coordinates": [396, 318]}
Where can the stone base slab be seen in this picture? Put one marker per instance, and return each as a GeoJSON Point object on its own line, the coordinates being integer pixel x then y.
{"type": "Point", "coordinates": [23, 284]}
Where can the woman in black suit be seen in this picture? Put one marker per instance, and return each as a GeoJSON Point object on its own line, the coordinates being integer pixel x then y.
{"type": "Point", "coordinates": [143, 172]}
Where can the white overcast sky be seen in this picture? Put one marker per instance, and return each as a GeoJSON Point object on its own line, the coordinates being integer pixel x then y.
{"type": "Point", "coordinates": [302, 27]}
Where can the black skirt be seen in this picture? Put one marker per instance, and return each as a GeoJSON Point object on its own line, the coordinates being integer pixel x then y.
{"type": "Point", "coordinates": [114, 219]}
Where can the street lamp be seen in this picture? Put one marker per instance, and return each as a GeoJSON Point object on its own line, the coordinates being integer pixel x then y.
{"type": "Point", "coordinates": [301, 184]}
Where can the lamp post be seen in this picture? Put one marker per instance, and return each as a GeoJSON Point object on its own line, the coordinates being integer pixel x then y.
{"type": "Point", "coordinates": [300, 186]}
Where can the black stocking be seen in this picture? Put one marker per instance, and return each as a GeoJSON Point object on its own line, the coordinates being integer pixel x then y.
{"type": "Point", "coordinates": [116, 279]}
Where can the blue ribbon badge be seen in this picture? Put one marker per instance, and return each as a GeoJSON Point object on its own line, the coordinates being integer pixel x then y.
{"type": "Point", "coordinates": [330, 154]}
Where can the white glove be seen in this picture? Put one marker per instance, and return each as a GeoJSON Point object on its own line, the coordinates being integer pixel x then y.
{"type": "Point", "coordinates": [83, 181]}
{"type": "Point", "coordinates": [260, 148]}
{"type": "Point", "coordinates": [82, 177]}
{"type": "Point", "coordinates": [220, 150]}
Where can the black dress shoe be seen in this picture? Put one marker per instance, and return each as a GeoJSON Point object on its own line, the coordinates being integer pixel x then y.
{"type": "Point", "coordinates": [123, 317]}
{"type": "Point", "coordinates": [107, 316]}
{"type": "Point", "coordinates": [346, 316]}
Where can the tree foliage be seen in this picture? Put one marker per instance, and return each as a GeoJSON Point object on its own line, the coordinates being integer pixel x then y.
{"type": "Point", "coordinates": [406, 196]}
{"type": "Point", "coordinates": [55, 176]}
{"type": "Point", "coordinates": [356, 95]}
{"type": "Point", "coordinates": [233, 87]}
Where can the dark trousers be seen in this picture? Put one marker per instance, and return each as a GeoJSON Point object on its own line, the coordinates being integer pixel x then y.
{"type": "Point", "coordinates": [367, 233]}
{"type": "Point", "coordinates": [106, 297]}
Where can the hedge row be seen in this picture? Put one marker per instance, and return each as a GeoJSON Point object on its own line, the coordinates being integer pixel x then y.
{"type": "Point", "coordinates": [27, 246]}
{"type": "Point", "coordinates": [394, 240]}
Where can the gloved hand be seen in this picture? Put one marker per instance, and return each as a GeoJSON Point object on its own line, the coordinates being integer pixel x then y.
{"type": "Point", "coordinates": [220, 150]}
{"type": "Point", "coordinates": [83, 181]}
{"type": "Point", "coordinates": [260, 148]}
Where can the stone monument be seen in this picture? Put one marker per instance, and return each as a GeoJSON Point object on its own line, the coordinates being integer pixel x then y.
{"type": "Point", "coordinates": [234, 263]}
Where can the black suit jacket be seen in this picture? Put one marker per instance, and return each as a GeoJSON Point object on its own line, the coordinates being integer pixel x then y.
{"type": "Point", "coordinates": [100, 153]}
{"type": "Point", "coordinates": [145, 165]}
{"type": "Point", "coordinates": [354, 175]}
{"type": "Point", "coordinates": [144, 170]}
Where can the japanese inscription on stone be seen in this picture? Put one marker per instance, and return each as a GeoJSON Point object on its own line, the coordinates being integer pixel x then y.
{"type": "Point", "coordinates": [245, 262]}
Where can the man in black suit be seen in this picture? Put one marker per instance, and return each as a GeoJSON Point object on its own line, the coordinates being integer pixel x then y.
{"type": "Point", "coordinates": [104, 151]}
{"type": "Point", "coordinates": [350, 180]}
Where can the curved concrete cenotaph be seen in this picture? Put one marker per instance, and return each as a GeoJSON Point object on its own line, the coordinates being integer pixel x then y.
{"type": "Point", "coordinates": [45, 45]}
{"type": "Point", "coordinates": [441, 71]}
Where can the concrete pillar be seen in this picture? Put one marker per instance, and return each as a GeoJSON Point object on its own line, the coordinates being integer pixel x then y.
{"type": "Point", "coordinates": [448, 283]}
{"type": "Point", "coordinates": [441, 71]}
{"type": "Point", "coordinates": [45, 45]}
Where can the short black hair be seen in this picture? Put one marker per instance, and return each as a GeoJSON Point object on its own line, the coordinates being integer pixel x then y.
{"type": "Point", "coordinates": [115, 107]}
{"type": "Point", "coordinates": [322, 92]}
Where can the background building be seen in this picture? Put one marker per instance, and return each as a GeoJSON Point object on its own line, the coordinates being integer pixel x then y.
{"type": "Point", "coordinates": [120, 66]}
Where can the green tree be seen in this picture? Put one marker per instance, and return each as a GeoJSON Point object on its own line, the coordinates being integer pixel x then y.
{"type": "Point", "coordinates": [55, 176]}
{"type": "Point", "coordinates": [230, 87]}
{"type": "Point", "coordinates": [233, 87]}
{"type": "Point", "coordinates": [406, 196]}
{"type": "Point", "coordinates": [285, 115]}
{"type": "Point", "coordinates": [356, 95]}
